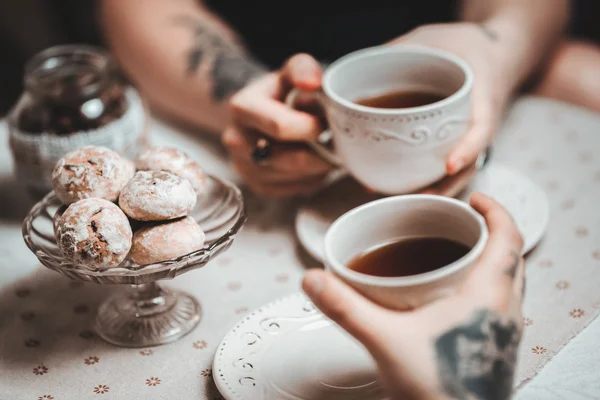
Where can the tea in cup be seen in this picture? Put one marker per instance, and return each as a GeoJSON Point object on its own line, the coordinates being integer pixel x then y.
{"type": "Point", "coordinates": [405, 251]}
{"type": "Point", "coordinates": [394, 114]}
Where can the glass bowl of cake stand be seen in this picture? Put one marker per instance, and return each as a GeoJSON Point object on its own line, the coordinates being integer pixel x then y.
{"type": "Point", "coordinates": [146, 314]}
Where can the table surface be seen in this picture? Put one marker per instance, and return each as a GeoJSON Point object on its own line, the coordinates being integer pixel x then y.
{"type": "Point", "coordinates": [48, 351]}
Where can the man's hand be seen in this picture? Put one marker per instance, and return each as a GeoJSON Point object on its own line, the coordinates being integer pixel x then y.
{"type": "Point", "coordinates": [459, 347]}
{"type": "Point", "coordinates": [259, 110]}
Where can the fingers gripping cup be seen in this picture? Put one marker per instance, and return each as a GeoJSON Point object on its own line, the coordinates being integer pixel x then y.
{"type": "Point", "coordinates": [394, 114]}
{"type": "Point", "coordinates": [425, 234]}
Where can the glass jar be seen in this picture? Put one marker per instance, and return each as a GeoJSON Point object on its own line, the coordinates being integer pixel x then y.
{"type": "Point", "coordinates": [73, 97]}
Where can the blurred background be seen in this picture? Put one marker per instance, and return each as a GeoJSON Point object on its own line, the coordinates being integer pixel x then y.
{"type": "Point", "coordinates": [29, 26]}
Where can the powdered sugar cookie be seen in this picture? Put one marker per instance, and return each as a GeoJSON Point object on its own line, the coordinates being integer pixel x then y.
{"type": "Point", "coordinates": [94, 232]}
{"type": "Point", "coordinates": [91, 172]}
{"type": "Point", "coordinates": [176, 162]}
{"type": "Point", "coordinates": [166, 241]}
{"type": "Point", "coordinates": [157, 196]}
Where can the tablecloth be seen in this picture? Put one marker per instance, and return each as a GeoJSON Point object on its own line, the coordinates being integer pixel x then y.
{"type": "Point", "coordinates": [48, 350]}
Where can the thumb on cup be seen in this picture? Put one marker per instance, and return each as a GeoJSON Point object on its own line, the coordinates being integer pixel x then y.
{"type": "Point", "coordinates": [303, 72]}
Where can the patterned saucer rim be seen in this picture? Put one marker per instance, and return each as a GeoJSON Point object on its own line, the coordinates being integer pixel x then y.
{"type": "Point", "coordinates": [543, 205]}
{"type": "Point", "coordinates": [219, 377]}
{"type": "Point", "coordinates": [531, 239]}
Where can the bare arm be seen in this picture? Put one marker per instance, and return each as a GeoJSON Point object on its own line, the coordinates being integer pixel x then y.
{"type": "Point", "coordinates": [182, 57]}
{"type": "Point", "coordinates": [460, 347]}
{"type": "Point", "coordinates": [523, 31]}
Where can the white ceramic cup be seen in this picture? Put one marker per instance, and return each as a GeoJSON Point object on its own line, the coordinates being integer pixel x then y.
{"type": "Point", "coordinates": [392, 218]}
{"type": "Point", "coordinates": [394, 151]}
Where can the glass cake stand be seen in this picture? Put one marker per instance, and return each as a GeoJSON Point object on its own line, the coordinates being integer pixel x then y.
{"type": "Point", "coordinates": [147, 314]}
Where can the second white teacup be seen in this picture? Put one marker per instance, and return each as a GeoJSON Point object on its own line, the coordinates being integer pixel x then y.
{"type": "Point", "coordinates": [395, 150]}
{"type": "Point", "coordinates": [409, 216]}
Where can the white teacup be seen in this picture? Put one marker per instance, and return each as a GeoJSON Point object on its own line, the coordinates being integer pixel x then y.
{"type": "Point", "coordinates": [393, 218]}
{"type": "Point", "coordinates": [395, 151]}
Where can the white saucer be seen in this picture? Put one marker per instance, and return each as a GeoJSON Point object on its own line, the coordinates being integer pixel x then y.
{"type": "Point", "coordinates": [525, 201]}
{"type": "Point", "coordinates": [288, 350]}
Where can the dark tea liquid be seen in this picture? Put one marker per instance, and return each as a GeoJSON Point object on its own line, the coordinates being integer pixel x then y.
{"type": "Point", "coordinates": [401, 99]}
{"type": "Point", "coordinates": [408, 256]}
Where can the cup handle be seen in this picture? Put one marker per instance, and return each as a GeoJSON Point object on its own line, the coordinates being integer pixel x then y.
{"type": "Point", "coordinates": [324, 137]}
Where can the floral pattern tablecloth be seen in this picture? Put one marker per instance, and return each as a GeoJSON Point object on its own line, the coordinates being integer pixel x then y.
{"type": "Point", "coordinates": [48, 350]}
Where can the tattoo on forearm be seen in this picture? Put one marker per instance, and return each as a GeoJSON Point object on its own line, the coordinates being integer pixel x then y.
{"type": "Point", "coordinates": [489, 32]}
{"type": "Point", "coordinates": [515, 261]}
{"type": "Point", "coordinates": [227, 65]}
{"type": "Point", "coordinates": [476, 361]}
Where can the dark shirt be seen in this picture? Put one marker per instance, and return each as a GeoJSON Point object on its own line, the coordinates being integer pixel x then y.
{"type": "Point", "coordinates": [584, 20]}
{"type": "Point", "coordinates": [273, 30]}
{"type": "Point", "coordinates": [29, 26]}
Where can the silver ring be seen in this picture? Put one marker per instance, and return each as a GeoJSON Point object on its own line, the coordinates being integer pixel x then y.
{"type": "Point", "coordinates": [262, 151]}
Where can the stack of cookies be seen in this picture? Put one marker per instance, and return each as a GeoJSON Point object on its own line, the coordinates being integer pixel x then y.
{"type": "Point", "coordinates": [105, 197]}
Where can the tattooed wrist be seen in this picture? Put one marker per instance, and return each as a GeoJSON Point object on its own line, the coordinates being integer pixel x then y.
{"type": "Point", "coordinates": [228, 66]}
{"type": "Point", "coordinates": [515, 260]}
{"type": "Point", "coordinates": [477, 360]}
{"type": "Point", "coordinates": [489, 32]}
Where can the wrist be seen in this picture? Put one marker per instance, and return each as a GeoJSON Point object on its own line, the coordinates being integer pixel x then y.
{"type": "Point", "coordinates": [513, 49]}
{"type": "Point", "coordinates": [526, 31]}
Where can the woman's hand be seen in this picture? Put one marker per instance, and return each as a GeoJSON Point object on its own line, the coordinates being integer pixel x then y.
{"type": "Point", "coordinates": [476, 45]}
{"type": "Point", "coordinates": [295, 169]}
{"type": "Point", "coordinates": [460, 347]}
{"type": "Point", "coordinates": [259, 111]}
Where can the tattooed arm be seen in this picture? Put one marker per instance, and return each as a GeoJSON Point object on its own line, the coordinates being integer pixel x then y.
{"type": "Point", "coordinates": [523, 31]}
{"type": "Point", "coordinates": [183, 58]}
{"type": "Point", "coordinates": [461, 347]}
